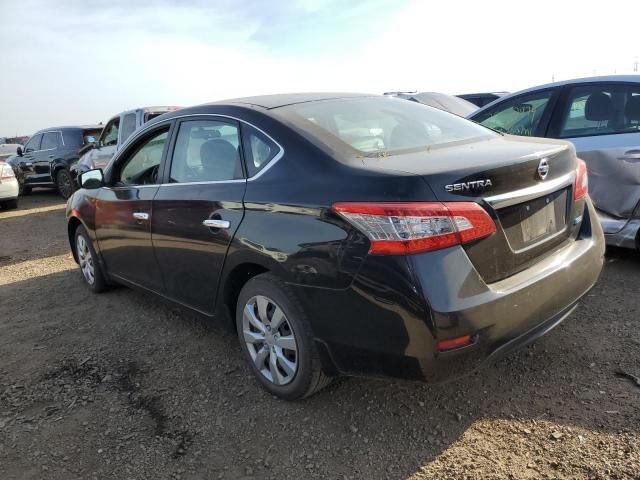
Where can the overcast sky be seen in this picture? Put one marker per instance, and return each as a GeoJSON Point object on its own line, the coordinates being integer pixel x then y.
{"type": "Point", "coordinates": [74, 62]}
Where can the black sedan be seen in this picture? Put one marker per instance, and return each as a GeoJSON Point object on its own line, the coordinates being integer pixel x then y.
{"type": "Point", "coordinates": [344, 234]}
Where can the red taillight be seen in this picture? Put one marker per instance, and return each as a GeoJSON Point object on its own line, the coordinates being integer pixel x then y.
{"type": "Point", "coordinates": [455, 342]}
{"type": "Point", "coordinates": [6, 172]}
{"type": "Point", "coordinates": [403, 228]}
{"type": "Point", "coordinates": [581, 188]}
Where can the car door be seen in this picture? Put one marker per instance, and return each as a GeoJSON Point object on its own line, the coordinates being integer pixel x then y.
{"type": "Point", "coordinates": [198, 209]}
{"type": "Point", "coordinates": [28, 158]}
{"type": "Point", "coordinates": [107, 144]}
{"type": "Point", "coordinates": [124, 210]}
{"type": "Point", "coordinates": [603, 122]}
{"type": "Point", "coordinates": [45, 156]}
{"type": "Point", "coordinates": [526, 115]}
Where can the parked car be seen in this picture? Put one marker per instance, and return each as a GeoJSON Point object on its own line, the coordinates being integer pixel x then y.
{"type": "Point", "coordinates": [113, 137]}
{"type": "Point", "coordinates": [441, 101]}
{"type": "Point", "coordinates": [48, 156]}
{"type": "Point", "coordinates": [8, 187]}
{"type": "Point", "coordinates": [344, 234]}
{"type": "Point", "coordinates": [601, 117]}
{"type": "Point", "coordinates": [482, 99]}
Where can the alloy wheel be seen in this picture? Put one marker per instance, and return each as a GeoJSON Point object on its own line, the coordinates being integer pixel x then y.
{"type": "Point", "coordinates": [65, 185]}
{"type": "Point", "coordinates": [85, 259]}
{"type": "Point", "coordinates": [270, 340]}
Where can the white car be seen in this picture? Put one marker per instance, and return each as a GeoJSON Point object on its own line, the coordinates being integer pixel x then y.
{"type": "Point", "coordinates": [8, 187]}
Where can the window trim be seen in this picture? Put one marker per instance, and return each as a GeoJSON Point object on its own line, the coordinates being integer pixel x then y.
{"type": "Point", "coordinates": [174, 120]}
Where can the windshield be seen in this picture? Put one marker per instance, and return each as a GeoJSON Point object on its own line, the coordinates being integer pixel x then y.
{"type": "Point", "coordinates": [376, 126]}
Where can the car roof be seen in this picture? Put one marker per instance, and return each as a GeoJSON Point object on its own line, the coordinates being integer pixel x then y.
{"type": "Point", "coordinates": [69, 127]}
{"type": "Point", "coordinates": [283, 99]}
{"type": "Point", "coordinates": [562, 83]}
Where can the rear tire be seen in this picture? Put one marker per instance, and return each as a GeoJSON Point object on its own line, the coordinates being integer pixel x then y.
{"type": "Point", "coordinates": [64, 182]}
{"type": "Point", "coordinates": [10, 204]}
{"type": "Point", "coordinates": [25, 190]}
{"type": "Point", "coordinates": [276, 340]}
{"type": "Point", "coordinates": [90, 268]}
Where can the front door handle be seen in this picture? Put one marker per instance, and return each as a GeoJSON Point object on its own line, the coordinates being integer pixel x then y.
{"type": "Point", "coordinates": [216, 223]}
{"type": "Point", "coordinates": [631, 155]}
{"type": "Point", "coordinates": [142, 216]}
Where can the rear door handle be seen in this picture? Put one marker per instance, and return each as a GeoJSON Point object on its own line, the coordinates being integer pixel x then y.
{"type": "Point", "coordinates": [141, 216]}
{"type": "Point", "coordinates": [631, 155]}
{"type": "Point", "coordinates": [216, 223]}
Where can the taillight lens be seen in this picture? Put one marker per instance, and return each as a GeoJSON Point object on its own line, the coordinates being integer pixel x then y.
{"type": "Point", "coordinates": [403, 228]}
{"type": "Point", "coordinates": [6, 172]}
{"type": "Point", "coordinates": [581, 187]}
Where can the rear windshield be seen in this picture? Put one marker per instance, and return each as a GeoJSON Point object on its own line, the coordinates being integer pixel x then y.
{"type": "Point", "coordinates": [375, 126]}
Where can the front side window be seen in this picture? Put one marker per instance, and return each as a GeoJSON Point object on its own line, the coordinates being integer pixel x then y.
{"type": "Point", "coordinates": [259, 149]}
{"type": "Point", "coordinates": [380, 126]}
{"type": "Point", "coordinates": [518, 116]}
{"type": "Point", "coordinates": [49, 141]}
{"type": "Point", "coordinates": [141, 166]}
{"type": "Point", "coordinates": [110, 133]}
{"type": "Point", "coordinates": [206, 151]}
{"type": "Point", "coordinates": [128, 126]}
{"type": "Point", "coordinates": [601, 110]}
{"type": "Point", "coordinates": [33, 144]}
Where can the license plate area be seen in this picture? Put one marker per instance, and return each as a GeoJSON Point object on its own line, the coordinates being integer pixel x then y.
{"type": "Point", "coordinates": [530, 223]}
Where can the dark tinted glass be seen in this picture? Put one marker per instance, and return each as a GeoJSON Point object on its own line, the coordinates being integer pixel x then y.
{"type": "Point", "coordinates": [206, 151]}
{"type": "Point", "coordinates": [72, 138]}
{"type": "Point", "coordinates": [49, 141]}
{"type": "Point", "coordinates": [128, 126]}
{"type": "Point", "coordinates": [259, 150]}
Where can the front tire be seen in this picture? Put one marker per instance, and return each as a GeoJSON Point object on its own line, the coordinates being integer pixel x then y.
{"type": "Point", "coordinates": [64, 182]}
{"type": "Point", "coordinates": [276, 340]}
{"type": "Point", "coordinates": [92, 273]}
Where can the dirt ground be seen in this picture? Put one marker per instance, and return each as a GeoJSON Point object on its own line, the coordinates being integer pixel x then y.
{"type": "Point", "coordinates": [124, 386]}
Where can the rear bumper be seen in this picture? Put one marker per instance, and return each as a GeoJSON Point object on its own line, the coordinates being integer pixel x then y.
{"type": "Point", "coordinates": [620, 232]}
{"type": "Point", "coordinates": [388, 322]}
{"type": "Point", "coordinates": [9, 189]}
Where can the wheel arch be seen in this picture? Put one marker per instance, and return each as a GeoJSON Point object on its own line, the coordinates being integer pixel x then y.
{"type": "Point", "coordinates": [72, 226]}
{"type": "Point", "coordinates": [233, 283]}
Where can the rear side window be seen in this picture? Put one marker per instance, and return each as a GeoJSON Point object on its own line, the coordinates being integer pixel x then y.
{"type": "Point", "coordinates": [518, 116]}
{"type": "Point", "coordinates": [259, 149]}
{"type": "Point", "coordinates": [50, 141]}
{"type": "Point", "coordinates": [128, 126]}
{"type": "Point", "coordinates": [206, 151]}
{"type": "Point", "coordinates": [601, 110]}
{"type": "Point", "coordinates": [72, 138]}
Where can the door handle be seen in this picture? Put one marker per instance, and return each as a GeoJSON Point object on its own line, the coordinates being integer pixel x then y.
{"type": "Point", "coordinates": [631, 155]}
{"type": "Point", "coordinates": [141, 216]}
{"type": "Point", "coordinates": [216, 223]}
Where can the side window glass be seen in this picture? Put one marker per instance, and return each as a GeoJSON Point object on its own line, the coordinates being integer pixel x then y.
{"type": "Point", "coordinates": [49, 141]}
{"type": "Point", "coordinates": [258, 148]}
{"type": "Point", "coordinates": [33, 144]}
{"type": "Point", "coordinates": [141, 167]}
{"type": "Point", "coordinates": [128, 126]}
{"type": "Point", "coordinates": [110, 134]}
{"type": "Point", "coordinates": [206, 151]}
{"type": "Point", "coordinates": [519, 116]}
{"type": "Point", "coordinates": [601, 110]}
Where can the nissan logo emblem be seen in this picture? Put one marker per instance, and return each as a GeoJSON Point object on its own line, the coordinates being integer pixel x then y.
{"type": "Point", "coordinates": [543, 168]}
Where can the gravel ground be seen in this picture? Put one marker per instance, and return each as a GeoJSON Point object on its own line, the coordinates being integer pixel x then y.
{"type": "Point", "coordinates": [125, 386]}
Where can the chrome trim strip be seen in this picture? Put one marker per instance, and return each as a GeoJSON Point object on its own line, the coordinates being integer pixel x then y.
{"type": "Point", "coordinates": [144, 128]}
{"type": "Point", "coordinates": [208, 182]}
{"type": "Point", "coordinates": [530, 193]}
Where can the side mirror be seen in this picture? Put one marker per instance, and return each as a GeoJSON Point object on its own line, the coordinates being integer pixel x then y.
{"type": "Point", "coordinates": [90, 139]}
{"type": "Point", "coordinates": [91, 179]}
{"type": "Point", "coordinates": [19, 151]}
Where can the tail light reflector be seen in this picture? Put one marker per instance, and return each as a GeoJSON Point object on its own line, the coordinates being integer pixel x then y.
{"type": "Point", "coordinates": [404, 228]}
{"type": "Point", "coordinates": [454, 342]}
{"type": "Point", "coordinates": [581, 187]}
